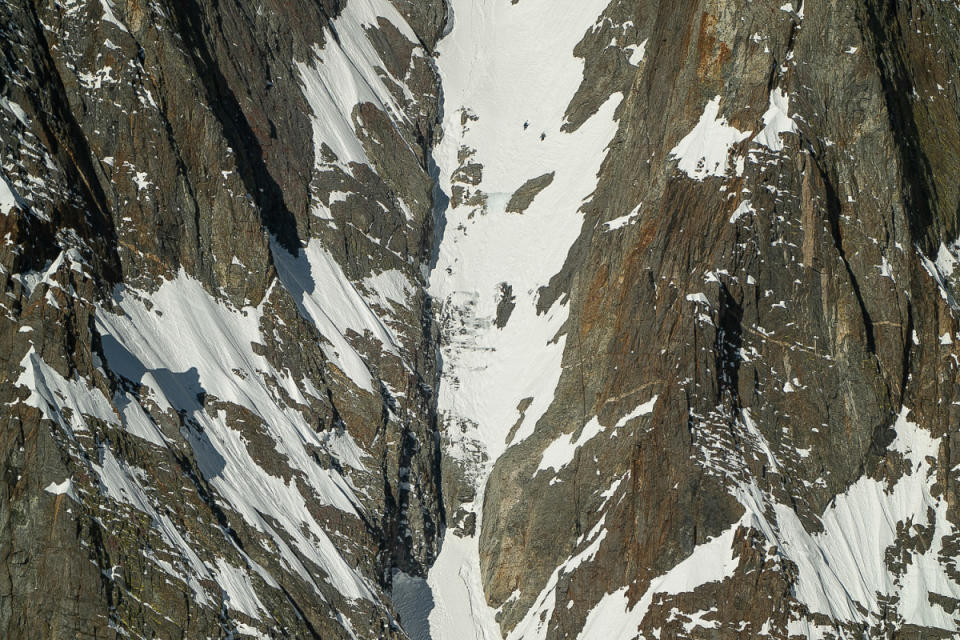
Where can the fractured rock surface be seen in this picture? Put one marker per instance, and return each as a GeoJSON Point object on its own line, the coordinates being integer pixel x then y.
{"type": "Point", "coordinates": [479, 319]}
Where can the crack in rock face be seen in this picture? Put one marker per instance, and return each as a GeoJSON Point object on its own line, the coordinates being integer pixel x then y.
{"type": "Point", "coordinates": [446, 319]}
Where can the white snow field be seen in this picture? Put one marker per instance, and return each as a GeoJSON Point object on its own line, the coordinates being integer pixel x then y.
{"type": "Point", "coordinates": [508, 65]}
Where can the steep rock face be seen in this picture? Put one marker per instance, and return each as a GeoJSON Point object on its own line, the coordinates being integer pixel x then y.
{"type": "Point", "coordinates": [657, 339]}
{"type": "Point", "coordinates": [218, 357]}
{"type": "Point", "coordinates": [752, 428]}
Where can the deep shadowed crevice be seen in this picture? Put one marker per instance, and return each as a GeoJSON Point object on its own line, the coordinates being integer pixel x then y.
{"type": "Point", "coordinates": [898, 87]}
{"type": "Point", "coordinates": [726, 349]}
{"type": "Point", "coordinates": [833, 219]}
{"type": "Point", "coordinates": [275, 216]}
{"type": "Point", "coordinates": [907, 351]}
{"type": "Point", "coordinates": [301, 613]}
{"type": "Point", "coordinates": [66, 140]}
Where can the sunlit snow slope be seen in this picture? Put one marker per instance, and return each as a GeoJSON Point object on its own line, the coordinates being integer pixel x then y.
{"type": "Point", "coordinates": [508, 72]}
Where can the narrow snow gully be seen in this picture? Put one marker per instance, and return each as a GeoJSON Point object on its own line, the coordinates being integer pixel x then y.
{"type": "Point", "coordinates": [513, 184]}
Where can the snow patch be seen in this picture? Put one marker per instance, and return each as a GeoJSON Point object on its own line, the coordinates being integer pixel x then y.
{"type": "Point", "coordinates": [108, 15]}
{"type": "Point", "coordinates": [842, 569]}
{"type": "Point", "coordinates": [623, 221]}
{"type": "Point", "coordinates": [64, 401]}
{"type": "Point", "coordinates": [612, 619]}
{"type": "Point", "coordinates": [238, 591]}
{"type": "Point", "coordinates": [644, 409]}
{"type": "Point", "coordinates": [742, 209]}
{"type": "Point", "coordinates": [560, 452]}
{"type": "Point", "coordinates": [348, 71]}
{"type": "Point", "coordinates": [705, 151]}
{"type": "Point", "coordinates": [63, 488]}
{"type": "Point", "coordinates": [9, 198]}
{"type": "Point", "coordinates": [326, 297]}
{"type": "Point", "coordinates": [637, 52]}
{"type": "Point", "coordinates": [776, 121]}
{"type": "Point", "coordinates": [185, 344]}
{"type": "Point", "coordinates": [413, 601]}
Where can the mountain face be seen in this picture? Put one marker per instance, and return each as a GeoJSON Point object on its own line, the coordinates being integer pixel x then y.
{"type": "Point", "coordinates": [480, 319]}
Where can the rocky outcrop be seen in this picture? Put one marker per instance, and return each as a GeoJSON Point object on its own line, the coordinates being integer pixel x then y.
{"type": "Point", "coordinates": [780, 299]}
{"type": "Point", "coordinates": [523, 197]}
{"type": "Point", "coordinates": [218, 362]}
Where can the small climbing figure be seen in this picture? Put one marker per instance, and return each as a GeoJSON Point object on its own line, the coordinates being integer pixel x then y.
{"type": "Point", "coordinates": [525, 125]}
{"type": "Point", "coordinates": [543, 137]}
